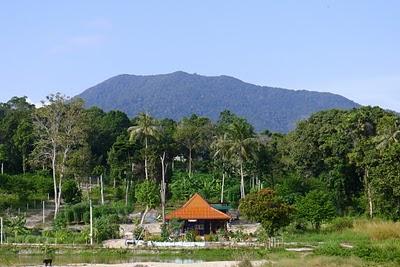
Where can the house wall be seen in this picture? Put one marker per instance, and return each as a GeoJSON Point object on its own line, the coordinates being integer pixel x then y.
{"type": "Point", "coordinates": [204, 227]}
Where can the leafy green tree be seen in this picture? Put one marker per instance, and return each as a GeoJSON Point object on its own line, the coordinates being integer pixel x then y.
{"type": "Point", "coordinates": [103, 130]}
{"type": "Point", "coordinates": [120, 158]}
{"type": "Point", "coordinates": [267, 208]}
{"type": "Point", "coordinates": [3, 156]}
{"type": "Point", "coordinates": [147, 194]}
{"type": "Point", "coordinates": [315, 207]}
{"type": "Point", "coordinates": [71, 192]}
{"type": "Point", "coordinates": [183, 186]}
{"type": "Point", "coordinates": [386, 183]}
{"type": "Point", "coordinates": [23, 140]}
{"type": "Point", "coordinates": [146, 128]}
{"type": "Point", "coordinates": [193, 133]}
{"type": "Point", "coordinates": [60, 128]}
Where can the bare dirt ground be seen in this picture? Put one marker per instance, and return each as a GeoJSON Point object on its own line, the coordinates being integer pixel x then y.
{"type": "Point", "coordinates": [34, 218]}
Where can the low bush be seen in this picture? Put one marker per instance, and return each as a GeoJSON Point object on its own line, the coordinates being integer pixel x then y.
{"type": "Point", "coordinates": [190, 236]}
{"type": "Point", "coordinates": [340, 223]}
{"type": "Point", "coordinates": [106, 227]}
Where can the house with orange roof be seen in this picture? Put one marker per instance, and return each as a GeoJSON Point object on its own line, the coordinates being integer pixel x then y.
{"type": "Point", "coordinates": [200, 216]}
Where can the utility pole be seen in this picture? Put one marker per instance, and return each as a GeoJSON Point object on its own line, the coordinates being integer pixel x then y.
{"type": "Point", "coordinates": [91, 223]}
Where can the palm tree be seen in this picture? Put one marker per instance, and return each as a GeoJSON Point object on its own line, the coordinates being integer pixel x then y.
{"type": "Point", "coordinates": [241, 144]}
{"type": "Point", "coordinates": [220, 146]}
{"type": "Point", "coordinates": [146, 128]}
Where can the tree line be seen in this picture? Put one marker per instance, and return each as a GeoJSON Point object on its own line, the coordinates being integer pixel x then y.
{"type": "Point", "coordinates": [349, 158]}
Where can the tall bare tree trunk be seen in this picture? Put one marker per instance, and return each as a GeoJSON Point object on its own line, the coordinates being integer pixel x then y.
{"type": "Point", "coordinates": [53, 166]}
{"type": "Point", "coordinates": [65, 154]}
{"type": "Point", "coordinates": [190, 162]}
{"type": "Point", "coordinates": [23, 163]}
{"type": "Point", "coordinates": [145, 160]}
{"type": "Point", "coordinates": [222, 186]}
{"type": "Point", "coordinates": [126, 192]}
{"type": "Point", "coordinates": [102, 189]}
{"type": "Point", "coordinates": [242, 192]}
{"type": "Point", "coordinates": [2, 168]}
{"type": "Point", "coordinates": [369, 193]}
{"type": "Point", "coordinates": [163, 185]}
{"type": "Point", "coordinates": [144, 215]}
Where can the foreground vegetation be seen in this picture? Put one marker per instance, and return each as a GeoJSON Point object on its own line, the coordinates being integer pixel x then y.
{"type": "Point", "coordinates": [349, 242]}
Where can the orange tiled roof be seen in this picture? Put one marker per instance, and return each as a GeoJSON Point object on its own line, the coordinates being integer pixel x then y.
{"type": "Point", "coordinates": [197, 209]}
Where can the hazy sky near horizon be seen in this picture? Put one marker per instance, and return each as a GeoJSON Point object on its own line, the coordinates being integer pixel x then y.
{"type": "Point", "coordinates": [349, 47]}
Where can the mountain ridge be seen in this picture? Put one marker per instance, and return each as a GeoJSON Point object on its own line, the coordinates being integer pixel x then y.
{"type": "Point", "coordinates": [178, 94]}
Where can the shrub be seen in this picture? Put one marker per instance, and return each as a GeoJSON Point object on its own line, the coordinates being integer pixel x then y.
{"type": "Point", "coordinates": [165, 233]}
{"type": "Point", "coordinates": [190, 236]}
{"type": "Point", "coordinates": [105, 227]}
{"type": "Point", "coordinates": [316, 207]}
{"type": "Point", "coordinates": [340, 224]}
{"type": "Point", "coordinates": [147, 194]}
{"type": "Point", "coordinates": [211, 238]}
{"type": "Point", "coordinates": [139, 233]}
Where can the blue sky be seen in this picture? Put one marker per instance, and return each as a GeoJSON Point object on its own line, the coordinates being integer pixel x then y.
{"type": "Point", "coordinates": [347, 47]}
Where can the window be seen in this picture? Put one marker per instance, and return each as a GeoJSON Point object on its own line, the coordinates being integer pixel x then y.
{"type": "Point", "coordinates": [199, 227]}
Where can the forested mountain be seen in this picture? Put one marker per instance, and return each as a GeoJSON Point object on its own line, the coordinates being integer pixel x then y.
{"type": "Point", "coordinates": [180, 94]}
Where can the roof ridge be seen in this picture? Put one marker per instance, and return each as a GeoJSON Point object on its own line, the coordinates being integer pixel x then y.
{"type": "Point", "coordinates": [195, 195]}
{"type": "Point", "coordinates": [202, 204]}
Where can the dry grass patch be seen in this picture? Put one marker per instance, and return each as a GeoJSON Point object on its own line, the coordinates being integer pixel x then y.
{"type": "Point", "coordinates": [378, 229]}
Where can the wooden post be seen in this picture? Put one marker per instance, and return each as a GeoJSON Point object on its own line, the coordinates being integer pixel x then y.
{"type": "Point", "coordinates": [91, 223]}
{"type": "Point", "coordinates": [43, 218]}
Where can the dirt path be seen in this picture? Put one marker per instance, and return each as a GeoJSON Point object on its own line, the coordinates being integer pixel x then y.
{"type": "Point", "coordinates": [35, 218]}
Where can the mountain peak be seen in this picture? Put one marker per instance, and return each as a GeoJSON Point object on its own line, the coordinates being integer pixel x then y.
{"type": "Point", "coordinates": [178, 94]}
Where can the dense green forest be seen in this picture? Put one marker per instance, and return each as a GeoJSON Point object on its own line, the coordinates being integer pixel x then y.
{"type": "Point", "coordinates": [335, 163]}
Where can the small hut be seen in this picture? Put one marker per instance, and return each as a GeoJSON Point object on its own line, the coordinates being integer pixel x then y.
{"type": "Point", "coordinates": [200, 216]}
